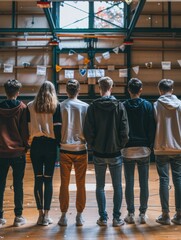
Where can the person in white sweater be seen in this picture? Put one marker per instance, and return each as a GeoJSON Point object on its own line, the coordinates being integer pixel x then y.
{"type": "Point", "coordinates": [73, 151]}
{"type": "Point", "coordinates": [45, 132]}
{"type": "Point", "coordinates": [167, 148]}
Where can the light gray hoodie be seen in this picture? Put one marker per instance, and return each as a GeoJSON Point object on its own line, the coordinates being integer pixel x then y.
{"type": "Point", "coordinates": [167, 111]}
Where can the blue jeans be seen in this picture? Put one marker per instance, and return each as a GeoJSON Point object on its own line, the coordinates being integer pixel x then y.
{"type": "Point", "coordinates": [163, 162]}
{"type": "Point", "coordinates": [115, 168]}
{"type": "Point", "coordinates": [18, 166]}
{"type": "Point", "coordinates": [143, 172]}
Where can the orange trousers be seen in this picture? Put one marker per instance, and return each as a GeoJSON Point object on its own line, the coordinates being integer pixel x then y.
{"type": "Point", "coordinates": [80, 165]}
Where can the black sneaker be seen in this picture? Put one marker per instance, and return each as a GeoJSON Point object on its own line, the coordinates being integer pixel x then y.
{"type": "Point", "coordinates": [176, 219]}
{"type": "Point", "coordinates": [163, 219]}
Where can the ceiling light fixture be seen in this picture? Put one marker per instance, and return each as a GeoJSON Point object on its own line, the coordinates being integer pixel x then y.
{"type": "Point", "coordinates": [42, 4]}
{"type": "Point", "coordinates": [54, 41]}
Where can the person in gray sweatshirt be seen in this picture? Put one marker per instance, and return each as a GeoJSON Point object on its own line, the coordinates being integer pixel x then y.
{"type": "Point", "coordinates": [167, 148]}
{"type": "Point", "coordinates": [73, 151]}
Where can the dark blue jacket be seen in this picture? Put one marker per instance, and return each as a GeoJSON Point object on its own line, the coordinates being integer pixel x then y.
{"type": "Point", "coordinates": [141, 122]}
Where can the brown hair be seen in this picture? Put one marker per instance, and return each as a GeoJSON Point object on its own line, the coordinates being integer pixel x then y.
{"type": "Point", "coordinates": [72, 87]}
{"type": "Point", "coordinates": [12, 87]}
{"type": "Point", "coordinates": [166, 85]}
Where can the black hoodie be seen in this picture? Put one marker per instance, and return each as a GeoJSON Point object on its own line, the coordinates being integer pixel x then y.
{"type": "Point", "coordinates": [141, 122]}
{"type": "Point", "coordinates": [106, 127]}
{"type": "Point", "coordinates": [13, 129]}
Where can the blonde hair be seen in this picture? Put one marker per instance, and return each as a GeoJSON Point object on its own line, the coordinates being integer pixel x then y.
{"type": "Point", "coordinates": [46, 100]}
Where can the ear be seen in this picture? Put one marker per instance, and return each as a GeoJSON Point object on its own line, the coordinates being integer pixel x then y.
{"type": "Point", "coordinates": [17, 94]}
{"type": "Point", "coordinates": [140, 91]}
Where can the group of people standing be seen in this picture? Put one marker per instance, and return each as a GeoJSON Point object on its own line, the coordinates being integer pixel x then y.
{"type": "Point", "coordinates": [116, 132]}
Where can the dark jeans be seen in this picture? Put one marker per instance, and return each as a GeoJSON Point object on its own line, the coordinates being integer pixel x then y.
{"type": "Point", "coordinates": [163, 162]}
{"type": "Point", "coordinates": [115, 168]}
{"type": "Point", "coordinates": [18, 167]}
{"type": "Point", "coordinates": [43, 155]}
{"type": "Point", "coordinates": [143, 172]}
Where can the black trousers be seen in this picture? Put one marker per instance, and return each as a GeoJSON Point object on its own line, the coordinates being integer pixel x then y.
{"type": "Point", "coordinates": [43, 155]}
{"type": "Point", "coordinates": [18, 167]}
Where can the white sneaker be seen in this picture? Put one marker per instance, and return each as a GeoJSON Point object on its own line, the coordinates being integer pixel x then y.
{"type": "Point", "coordinates": [142, 218]}
{"type": "Point", "coordinates": [79, 220]}
{"type": "Point", "coordinates": [130, 218]}
{"type": "Point", "coordinates": [19, 221]}
{"type": "Point", "coordinates": [63, 221]}
{"type": "Point", "coordinates": [2, 221]}
{"type": "Point", "coordinates": [46, 221]}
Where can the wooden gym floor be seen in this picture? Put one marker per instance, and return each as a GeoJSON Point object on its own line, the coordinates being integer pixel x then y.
{"type": "Point", "coordinates": [90, 230]}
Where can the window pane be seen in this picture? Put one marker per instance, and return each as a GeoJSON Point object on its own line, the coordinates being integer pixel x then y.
{"type": "Point", "coordinates": [74, 14]}
{"type": "Point", "coordinates": [108, 14]}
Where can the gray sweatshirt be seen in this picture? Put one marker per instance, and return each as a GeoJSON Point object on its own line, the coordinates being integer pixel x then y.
{"type": "Point", "coordinates": [167, 111]}
{"type": "Point", "coordinates": [73, 113]}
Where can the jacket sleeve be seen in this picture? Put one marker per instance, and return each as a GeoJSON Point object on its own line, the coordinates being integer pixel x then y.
{"type": "Point", "coordinates": [57, 124]}
{"type": "Point", "coordinates": [24, 128]}
{"type": "Point", "coordinates": [152, 126]}
{"type": "Point", "coordinates": [89, 126]}
{"type": "Point", "coordinates": [124, 126]}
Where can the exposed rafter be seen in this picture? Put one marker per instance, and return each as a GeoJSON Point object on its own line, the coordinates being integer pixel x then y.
{"type": "Point", "coordinates": [50, 20]}
{"type": "Point", "coordinates": [135, 18]}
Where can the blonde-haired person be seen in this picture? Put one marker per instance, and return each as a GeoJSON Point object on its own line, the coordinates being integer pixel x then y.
{"type": "Point", "coordinates": [44, 127]}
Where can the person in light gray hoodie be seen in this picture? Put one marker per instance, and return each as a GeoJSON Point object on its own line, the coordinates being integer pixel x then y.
{"type": "Point", "coordinates": [167, 148]}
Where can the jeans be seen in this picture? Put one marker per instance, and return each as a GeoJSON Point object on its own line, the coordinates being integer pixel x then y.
{"type": "Point", "coordinates": [79, 161]}
{"type": "Point", "coordinates": [18, 167]}
{"type": "Point", "coordinates": [115, 168]}
{"type": "Point", "coordinates": [163, 162]}
{"type": "Point", "coordinates": [143, 172]}
{"type": "Point", "coordinates": [43, 155]}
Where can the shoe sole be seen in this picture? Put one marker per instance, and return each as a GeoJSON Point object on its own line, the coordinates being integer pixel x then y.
{"type": "Point", "coordinates": [118, 225]}
{"type": "Point", "coordinates": [133, 222]}
{"type": "Point", "coordinates": [46, 223]}
{"type": "Point", "coordinates": [62, 225]}
{"type": "Point", "coordinates": [79, 224]}
{"type": "Point", "coordinates": [175, 222]}
{"type": "Point", "coordinates": [102, 225]}
{"type": "Point", "coordinates": [163, 223]}
{"type": "Point", "coordinates": [19, 225]}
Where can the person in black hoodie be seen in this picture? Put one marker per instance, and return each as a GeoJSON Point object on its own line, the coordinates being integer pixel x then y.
{"type": "Point", "coordinates": [137, 151]}
{"type": "Point", "coordinates": [13, 146]}
{"type": "Point", "coordinates": [106, 132]}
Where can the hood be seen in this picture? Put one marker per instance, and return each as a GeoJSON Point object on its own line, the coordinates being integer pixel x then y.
{"type": "Point", "coordinates": [169, 101]}
{"type": "Point", "coordinates": [9, 108]}
{"type": "Point", "coordinates": [134, 103]}
{"type": "Point", "coordinates": [106, 103]}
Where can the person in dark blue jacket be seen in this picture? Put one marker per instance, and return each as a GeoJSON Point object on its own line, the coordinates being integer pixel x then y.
{"type": "Point", "coordinates": [137, 151]}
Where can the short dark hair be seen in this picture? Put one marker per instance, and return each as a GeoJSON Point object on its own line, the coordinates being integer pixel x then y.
{"type": "Point", "coordinates": [166, 85]}
{"type": "Point", "coordinates": [72, 87]}
{"type": "Point", "coordinates": [134, 85]}
{"type": "Point", "coordinates": [105, 83]}
{"type": "Point", "coordinates": [12, 87]}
